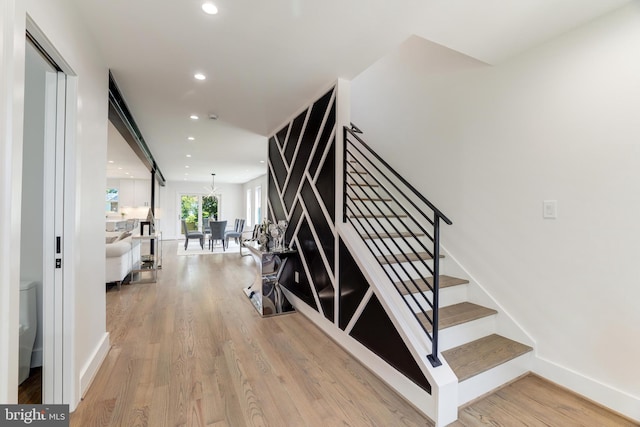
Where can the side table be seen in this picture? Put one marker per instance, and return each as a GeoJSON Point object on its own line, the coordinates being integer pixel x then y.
{"type": "Point", "coordinates": [149, 263]}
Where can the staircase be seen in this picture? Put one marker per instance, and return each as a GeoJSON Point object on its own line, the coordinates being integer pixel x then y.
{"type": "Point", "coordinates": [401, 230]}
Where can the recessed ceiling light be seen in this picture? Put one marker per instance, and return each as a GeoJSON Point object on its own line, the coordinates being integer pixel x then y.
{"type": "Point", "coordinates": [119, 169]}
{"type": "Point", "coordinates": [261, 161]}
{"type": "Point", "coordinates": [126, 173]}
{"type": "Point", "coordinates": [190, 138]}
{"type": "Point", "coordinates": [209, 8]}
{"type": "Point", "coordinates": [194, 117]}
{"type": "Point", "coordinates": [188, 155]}
{"type": "Point", "coordinates": [111, 161]}
{"type": "Point", "coordinates": [187, 166]}
{"type": "Point", "coordinates": [186, 173]}
{"type": "Point", "coordinates": [199, 76]}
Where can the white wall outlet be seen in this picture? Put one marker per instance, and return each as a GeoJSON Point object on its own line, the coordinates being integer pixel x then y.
{"type": "Point", "coordinates": [550, 209]}
{"type": "Point", "coordinates": [296, 277]}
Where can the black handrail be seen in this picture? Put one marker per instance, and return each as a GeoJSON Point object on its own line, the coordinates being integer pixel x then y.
{"type": "Point", "coordinates": [397, 175]}
{"type": "Point", "coordinates": [396, 241]}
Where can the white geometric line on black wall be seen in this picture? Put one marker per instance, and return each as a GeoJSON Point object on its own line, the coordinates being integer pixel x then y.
{"type": "Point", "coordinates": [327, 215]}
{"type": "Point", "coordinates": [327, 148]}
{"type": "Point", "coordinates": [294, 159]}
{"type": "Point", "coordinates": [279, 194]}
{"type": "Point", "coordinates": [318, 243]}
{"type": "Point", "coordinates": [359, 310]}
{"type": "Point", "coordinates": [309, 275]}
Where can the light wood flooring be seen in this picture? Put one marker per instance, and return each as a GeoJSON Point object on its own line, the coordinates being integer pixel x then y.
{"type": "Point", "coordinates": [191, 350]}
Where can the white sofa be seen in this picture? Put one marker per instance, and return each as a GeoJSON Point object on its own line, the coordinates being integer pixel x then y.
{"type": "Point", "coordinates": [121, 255]}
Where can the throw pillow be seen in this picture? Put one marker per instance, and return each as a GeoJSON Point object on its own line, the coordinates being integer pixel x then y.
{"type": "Point", "coordinates": [111, 239]}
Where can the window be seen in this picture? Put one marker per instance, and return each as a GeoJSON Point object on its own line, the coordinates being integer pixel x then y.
{"type": "Point", "coordinates": [249, 208]}
{"type": "Point", "coordinates": [112, 200]}
{"type": "Point", "coordinates": [258, 205]}
{"type": "Point", "coordinates": [196, 209]}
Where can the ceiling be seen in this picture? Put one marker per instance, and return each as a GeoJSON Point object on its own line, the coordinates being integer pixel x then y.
{"type": "Point", "coordinates": [264, 60]}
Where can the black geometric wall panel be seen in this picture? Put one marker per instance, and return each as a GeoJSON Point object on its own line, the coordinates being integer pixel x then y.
{"type": "Point", "coordinates": [305, 147]}
{"type": "Point", "coordinates": [276, 210]}
{"type": "Point", "coordinates": [281, 135]}
{"type": "Point", "coordinates": [315, 265]}
{"type": "Point", "coordinates": [375, 331]}
{"type": "Point", "coordinates": [293, 222]}
{"type": "Point", "coordinates": [324, 139]}
{"type": "Point", "coordinates": [320, 224]}
{"type": "Point", "coordinates": [303, 289]}
{"type": "Point", "coordinates": [301, 189]}
{"type": "Point", "coordinates": [294, 135]}
{"type": "Point", "coordinates": [352, 286]}
{"type": "Point", "coordinates": [326, 182]}
{"type": "Point", "coordinates": [277, 164]}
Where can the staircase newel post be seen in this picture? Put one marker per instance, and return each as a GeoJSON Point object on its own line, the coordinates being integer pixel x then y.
{"type": "Point", "coordinates": [433, 357]}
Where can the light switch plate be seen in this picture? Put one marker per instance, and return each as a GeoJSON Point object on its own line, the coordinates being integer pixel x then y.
{"type": "Point", "coordinates": [550, 209]}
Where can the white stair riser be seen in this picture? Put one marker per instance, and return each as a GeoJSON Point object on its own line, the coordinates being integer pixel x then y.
{"type": "Point", "coordinates": [448, 296]}
{"type": "Point", "coordinates": [398, 246]}
{"type": "Point", "coordinates": [487, 381]}
{"type": "Point", "coordinates": [455, 336]}
{"type": "Point", "coordinates": [388, 224]}
{"type": "Point", "coordinates": [405, 270]}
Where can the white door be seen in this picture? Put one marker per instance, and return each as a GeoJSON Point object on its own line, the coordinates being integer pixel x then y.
{"type": "Point", "coordinates": [55, 116]}
{"type": "Point", "coordinates": [42, 210]}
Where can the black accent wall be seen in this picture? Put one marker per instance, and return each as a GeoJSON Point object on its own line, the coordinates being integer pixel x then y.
{"type": "Point", "coordinates": [302, 177]}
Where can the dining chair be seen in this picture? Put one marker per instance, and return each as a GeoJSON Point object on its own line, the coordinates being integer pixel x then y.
{"type": "Point", "coordinates": [191, 235]}
{"type": "Point", "coordinates": [217, 229]}
{"type": "Point", "coordinates": [236, 233]}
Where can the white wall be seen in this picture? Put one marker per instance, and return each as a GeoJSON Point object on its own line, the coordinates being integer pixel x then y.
{"type": "Point", "coordinates": [12, 28]}
{"type": "Point", "coordinates": [252, 185]}
{"type": "Point", "coordinates": [168, 213]}
{"type": "Point", "coordinates": [488, 144]}
{"type": "Point", "coordinates": [88, 141]}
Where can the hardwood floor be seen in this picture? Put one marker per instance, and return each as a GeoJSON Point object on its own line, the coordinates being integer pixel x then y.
{"type": "Point", "coordinates": [30, 391]}
{"type": "Point", "coordinates": [191, 350]}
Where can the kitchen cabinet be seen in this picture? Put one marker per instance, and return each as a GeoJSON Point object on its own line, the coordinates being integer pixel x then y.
{"type": "Point", "coordinates": [135, 193]}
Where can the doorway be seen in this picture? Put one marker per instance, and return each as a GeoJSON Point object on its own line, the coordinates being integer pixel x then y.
{"type": "Point", "coordinates": [41, 267]}
{"type": "Point", "coordinates": [196, 209]}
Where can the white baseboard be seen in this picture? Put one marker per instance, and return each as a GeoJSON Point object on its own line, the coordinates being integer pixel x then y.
{"type": "Point", "coordinates": [618, 401]}
{"type": "Point", "coordinates": [36, 357]}
{"type": "Point", "coordinates": [90, 369]}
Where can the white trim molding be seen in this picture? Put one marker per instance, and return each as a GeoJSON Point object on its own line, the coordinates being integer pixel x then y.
{"type": "Point", "coordinates": [90, 369]}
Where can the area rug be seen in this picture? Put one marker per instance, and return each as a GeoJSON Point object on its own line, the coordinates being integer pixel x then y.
{"type": "Point", "coordinates": [194, 249]}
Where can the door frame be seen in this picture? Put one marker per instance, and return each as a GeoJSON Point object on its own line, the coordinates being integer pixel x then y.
{"type": "Point", "coordinates": [200, 196]}
{"type": "Point", "coordinates": [58, 298]}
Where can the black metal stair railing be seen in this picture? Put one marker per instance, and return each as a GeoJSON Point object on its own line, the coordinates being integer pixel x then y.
{"type": "Point", "coordinates": [401, 226]}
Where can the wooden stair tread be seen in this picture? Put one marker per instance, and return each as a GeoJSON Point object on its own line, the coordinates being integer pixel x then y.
{"type": "Point", "coordinates": [478, 356]}
{"type": "Point", "coordinates": [368, 199]}
{"type": "Point", "coordinates": [388, 259]}
{"type": "Point", "coordinates": [358, 184]}
{"type": "Point", "coordinates": [457, 314]}
{"type": "Point", "coordinates": [424, 286]}
{"type": "Point", "coordinates": [377, 216]}
{"type": "Point", "coordinates": [392, 235]}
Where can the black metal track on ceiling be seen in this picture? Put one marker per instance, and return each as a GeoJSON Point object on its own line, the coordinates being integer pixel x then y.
{"type": "Point", "coordinates": [122, 119]}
